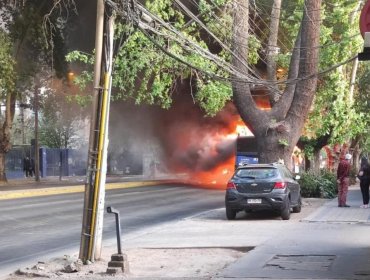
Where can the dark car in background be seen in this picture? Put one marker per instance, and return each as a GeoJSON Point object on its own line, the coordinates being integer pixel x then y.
{"type": "Point", "coordinates": [256, 187]}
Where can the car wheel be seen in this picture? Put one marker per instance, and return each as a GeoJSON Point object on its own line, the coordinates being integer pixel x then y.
{"type": "Point", "coordinates": [298, 208]}
{"type": "Point", "coordinates": [230, 213]}
{"type": "Point", "coordinates": [285, 212]}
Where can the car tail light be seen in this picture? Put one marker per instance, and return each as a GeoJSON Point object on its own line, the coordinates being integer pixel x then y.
{"type": "Point", "coordinates": [231, 186]}
{"type": "Point", "coordinates": [280, 185]}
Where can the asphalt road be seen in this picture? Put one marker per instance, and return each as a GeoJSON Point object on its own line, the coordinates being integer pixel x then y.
{"type": "Point", "coordinates": [37, 228]}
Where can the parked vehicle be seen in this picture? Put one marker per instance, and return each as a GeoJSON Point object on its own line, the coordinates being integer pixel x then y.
{"type": "Point", "coordinates": [256, 187]}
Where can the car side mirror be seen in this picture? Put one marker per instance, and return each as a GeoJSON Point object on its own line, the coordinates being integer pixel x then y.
{"type": "Point", "coordinates": [297, 177]}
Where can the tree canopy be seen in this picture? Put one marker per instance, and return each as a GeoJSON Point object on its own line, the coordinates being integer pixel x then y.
{"type": "Point", "coordinates": [7, 71]}
{"type": "Point", "coordinates": [167, 42]}
{"type": "Point", "coordinates": [32, 51]}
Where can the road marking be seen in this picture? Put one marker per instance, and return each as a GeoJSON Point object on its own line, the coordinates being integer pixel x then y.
{"type": "Point", "coordinates": [70, 189]}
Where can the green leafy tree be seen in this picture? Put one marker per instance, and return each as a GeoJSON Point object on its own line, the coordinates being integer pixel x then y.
{"type": "Point", "coordinates": [332, 118]}
{"type": "Point", "coordinates": [61, 122]}
{"type": "Point", "coordinates": [31, 40]}
{"type": "Point", "coordinates": [7, 95]}
{"type": "Point", "coordinates": [150, 76]}
{"type": "Point", "coordinates": [362, 105]}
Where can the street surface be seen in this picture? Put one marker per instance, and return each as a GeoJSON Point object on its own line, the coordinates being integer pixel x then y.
{"type": "Point", "coordinates": [49, 225]}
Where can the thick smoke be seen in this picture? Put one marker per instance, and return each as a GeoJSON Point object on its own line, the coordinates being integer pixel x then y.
{"type": "Point", "coordinates": [182, 137]}
{"type": "Point", "coordinates": [193, 142]}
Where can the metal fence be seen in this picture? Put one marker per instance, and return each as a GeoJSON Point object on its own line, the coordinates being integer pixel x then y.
{"type": "Point", "coordinates": [53, 162]}
{"type": "Point", "coordinates": [69, 162]}
{"type": "Point", "coordinates": [14, 162]}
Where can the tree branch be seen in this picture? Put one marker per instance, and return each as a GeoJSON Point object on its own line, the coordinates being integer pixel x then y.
{"type": "Point", "coordinates": [309, 55]}
{"type": "Point", "coordinates": [280, 109]}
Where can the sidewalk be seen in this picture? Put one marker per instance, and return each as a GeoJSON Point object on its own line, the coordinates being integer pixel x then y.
{"type": "Point", "coordinates": [337, 247]}
{"type": "Point", "coordinates": [329, 243]}
{"type": "Point", "coordinates": [47, 182]}
{"type": "Point", "coordinates": [330, 212]}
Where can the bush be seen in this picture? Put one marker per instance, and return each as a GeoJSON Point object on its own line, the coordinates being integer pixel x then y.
{"type": "Point", "coordinates": [309, 185]}
{"type": "Point", "coordinates": [323, 185]}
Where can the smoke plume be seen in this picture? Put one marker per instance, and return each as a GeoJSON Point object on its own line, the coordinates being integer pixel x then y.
{"type": "Point", "coordinates": [185, 140]}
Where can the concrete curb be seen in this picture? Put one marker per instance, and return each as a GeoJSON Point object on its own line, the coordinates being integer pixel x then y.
{"type": "Point", "coordinates": [14, 194]}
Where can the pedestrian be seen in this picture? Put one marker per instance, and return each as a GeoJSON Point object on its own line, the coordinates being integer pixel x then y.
{"type": "Point", "coordinates": [26, 166]}
{"type": "Point", "coordinates": [343, 170]}
{"type": "Point", "coordinates": [32, 167]}
{"type": "Point", "coordinates": [364, 177]}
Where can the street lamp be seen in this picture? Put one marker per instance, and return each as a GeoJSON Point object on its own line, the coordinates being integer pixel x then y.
{"type": "Point", "coordinates": [70, 78]}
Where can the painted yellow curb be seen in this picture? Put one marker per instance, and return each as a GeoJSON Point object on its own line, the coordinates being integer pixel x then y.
{"type": "Point", "coordinates": [69, 189]}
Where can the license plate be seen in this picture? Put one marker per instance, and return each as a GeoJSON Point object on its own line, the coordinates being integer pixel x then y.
{"type": "Point", "coordinates": [255, 200]}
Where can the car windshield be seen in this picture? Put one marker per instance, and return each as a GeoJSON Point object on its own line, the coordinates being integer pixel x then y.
{"type": "Point", "coordinates": [257, 173]}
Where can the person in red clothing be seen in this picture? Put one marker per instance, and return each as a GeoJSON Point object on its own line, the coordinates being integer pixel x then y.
{"type": "Point", "coordinates": [343, 170]}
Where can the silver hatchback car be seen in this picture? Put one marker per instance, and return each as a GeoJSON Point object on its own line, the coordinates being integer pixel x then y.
{"type": "Point", "coordinates": [256, 187]}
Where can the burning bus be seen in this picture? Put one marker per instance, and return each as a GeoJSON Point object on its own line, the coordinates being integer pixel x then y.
{"type": "Point", "coordinates": [246, 150]}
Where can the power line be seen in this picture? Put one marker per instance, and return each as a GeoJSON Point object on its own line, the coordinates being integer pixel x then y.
{"type": "Point", "coordinates": [233, 74]}
{"type": "Point", "coordinates": [243, 61]}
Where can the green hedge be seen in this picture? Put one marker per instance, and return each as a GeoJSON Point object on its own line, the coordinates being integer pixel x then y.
{"type": "Point", "coordinates": [323, 185]}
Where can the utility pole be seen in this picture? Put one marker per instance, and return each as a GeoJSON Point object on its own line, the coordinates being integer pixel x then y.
{"type": "Point", "coordinates": [103, 135]}
{"type": "Point", "coordinates": [92, 224]}
{"type": "Point", "coordinates": [89, 191]}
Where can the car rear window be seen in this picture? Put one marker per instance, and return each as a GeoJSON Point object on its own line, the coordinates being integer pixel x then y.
{"type": "Point", "coordinates": [257, 173]}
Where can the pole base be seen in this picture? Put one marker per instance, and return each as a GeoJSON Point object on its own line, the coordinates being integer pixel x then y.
{"type": "Point", "coordinates": [118, 264]}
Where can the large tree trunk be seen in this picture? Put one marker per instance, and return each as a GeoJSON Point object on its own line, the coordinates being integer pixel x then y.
{"type": "Point", "coordinates": [315, 162]}
{"type": "Point", "coordinates": [277, 131]}
{"type": "Point", "coordinates": [5, 133]}
{"type": "Point", "coordinates": [2, 168]}
{"type": "Point", "coordinates": [318, 144]}
{"type": "Point", "coordinates": [273, 149]}
{"type": "Point", "coordinates": [356, 152]}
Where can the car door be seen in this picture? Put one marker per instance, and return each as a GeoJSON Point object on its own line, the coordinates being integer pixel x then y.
{"type": "Point", "coordinates": [292, 185]}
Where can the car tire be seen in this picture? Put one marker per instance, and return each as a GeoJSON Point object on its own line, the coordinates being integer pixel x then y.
{"type": "Point", "coordinates": [285, 212]}
{"type": "Point", "coordinates": [298, 208]}
{"type": "Point", "coordinates": [230, 213]}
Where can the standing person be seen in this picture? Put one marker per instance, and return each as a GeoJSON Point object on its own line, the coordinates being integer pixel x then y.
{"type": "Point", "coordinates": [32, 167]}
{"type": "Point", "coordinates": [343, 170]}
{"type": "Point", "coordinates": [364, 176]}
{"type": "Point", "coordinates": [26, 165]}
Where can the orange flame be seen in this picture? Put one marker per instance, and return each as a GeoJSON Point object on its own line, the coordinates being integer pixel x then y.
{"type": "Point", "coordinates": [218, 177]}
